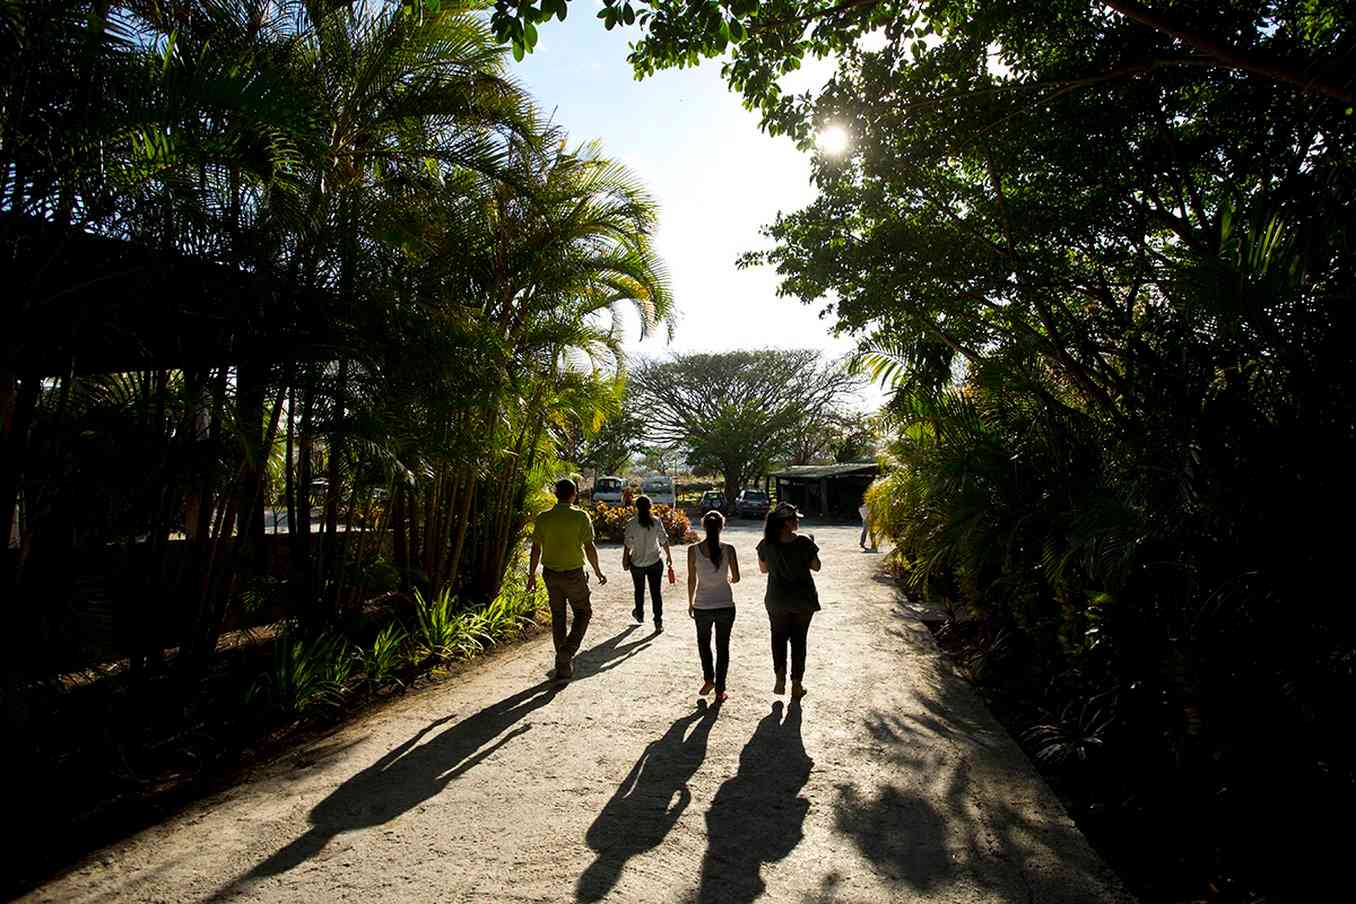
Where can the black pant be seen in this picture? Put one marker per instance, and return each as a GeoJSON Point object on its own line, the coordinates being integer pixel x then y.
{"type": "Point", "coordinates": [723, 620]}
{"type": "Point", "coordinates": [655, 573]}
{"type": "Point", "coordinates": [793, 628]}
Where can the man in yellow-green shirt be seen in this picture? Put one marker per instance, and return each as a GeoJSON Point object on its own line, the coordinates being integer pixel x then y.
{"type": "Point", "coordinates": [561, 539]}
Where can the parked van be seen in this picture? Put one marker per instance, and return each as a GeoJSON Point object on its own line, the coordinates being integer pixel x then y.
{"type": "Point", "coordinates": [660, 490]}
{"type": "Point", "coordinates": [608, 489]}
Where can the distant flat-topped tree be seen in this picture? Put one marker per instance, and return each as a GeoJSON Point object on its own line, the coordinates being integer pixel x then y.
{"type": "Point", "coordinates": [737, 411]}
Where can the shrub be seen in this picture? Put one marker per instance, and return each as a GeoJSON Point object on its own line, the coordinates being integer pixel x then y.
{"type": "Point", "coordinates": [377, 574]}
{"type": "Point", "coordinates": [380, 661]}
{"type": "Point", "coordinates": [306, 673]}
{"type": "Point", "coordinates": [609, 522]}
{"type": "Point", "coordinates": [444, 633]}
{"type": "Point", "coordinates": [514, 608]}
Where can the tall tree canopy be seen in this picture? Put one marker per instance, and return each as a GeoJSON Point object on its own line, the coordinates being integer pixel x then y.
{"type": "Point", "coordinates": [737, 412]}
{"type": "Point", "coordinates": [1304, 47]}
{"type": "Point", "coordinates": [462, 261]}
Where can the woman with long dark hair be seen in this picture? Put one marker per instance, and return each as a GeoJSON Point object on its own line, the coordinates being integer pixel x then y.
{"type": "Point", "coordinates": [788, 558]}
{"type": "Point", "coordinates": [644, 540]}
{"type": "Point", "coordinates": [711, 568]}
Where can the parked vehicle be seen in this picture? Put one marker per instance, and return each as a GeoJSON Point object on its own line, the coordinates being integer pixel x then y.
{"type": "Point", "coordinates": [752, 504]}
{"type": "Point", "coordinates": [608, 489]}
{"type": "Point", "coordinates": [713, 501]}
{"type": "Point", "coordinates": [660, 489]}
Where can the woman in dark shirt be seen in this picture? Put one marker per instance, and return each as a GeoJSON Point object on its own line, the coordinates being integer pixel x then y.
{"type": "Point", "coordinates": [788, 558]}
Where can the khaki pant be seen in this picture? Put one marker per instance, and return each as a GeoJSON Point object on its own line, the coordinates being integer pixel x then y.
{"type": "Point", "coordinates": [568, 587]}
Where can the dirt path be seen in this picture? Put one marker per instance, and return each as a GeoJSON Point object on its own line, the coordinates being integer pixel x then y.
{"type": "Point", "coordinates": [890, 783]}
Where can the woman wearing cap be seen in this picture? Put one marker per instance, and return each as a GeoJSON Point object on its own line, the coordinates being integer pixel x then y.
{"type": "Point", "coordinates": [788, 558]}
{"type": "Point", "coordinates": [711, 569]}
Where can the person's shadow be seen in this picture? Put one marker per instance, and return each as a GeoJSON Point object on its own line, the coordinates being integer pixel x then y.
{"type": "Point", "coordinates": [758, 815]}
{"type": "Point", "coordinates": [648, 802]}
{"type": "Point", "coordinates": [609, 654]}
{"type": "Point", "coordinates": [412, 773]}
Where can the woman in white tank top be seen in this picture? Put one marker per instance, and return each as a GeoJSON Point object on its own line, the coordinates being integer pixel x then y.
{"type": "Point", "coordinates": [711, 568]}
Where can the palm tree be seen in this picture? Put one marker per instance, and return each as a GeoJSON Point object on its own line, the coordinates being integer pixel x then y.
{"type": "Point", "coordinates": [469, 268]}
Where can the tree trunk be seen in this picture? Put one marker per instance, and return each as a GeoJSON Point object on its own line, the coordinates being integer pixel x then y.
{"type": "Point", "coordinates": [250, 392]}
{"type": "Point", "coordinates": [227, 556]}
{"type": "Point", "coordinates": [330, 541]}
{"type": "Point", "coordinates": [400, 544]}
{"type": "Point", "coordinates": [18, 403]}
{"type": "Point", "coordinates": [302, 573]}
{"type": "Point", "coordinates": [289, 481]}
{"type": "Point", "coordinates": [463, 523]}
{"type": "Point", "coordinates": [734, 481]}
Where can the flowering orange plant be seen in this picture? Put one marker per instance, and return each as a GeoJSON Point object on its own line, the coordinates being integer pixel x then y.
{"type": "Point", "coordinates": [609, 522]}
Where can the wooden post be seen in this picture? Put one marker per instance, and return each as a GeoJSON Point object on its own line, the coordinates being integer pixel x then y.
{"type": "Point", "coordinates": [823, 496]}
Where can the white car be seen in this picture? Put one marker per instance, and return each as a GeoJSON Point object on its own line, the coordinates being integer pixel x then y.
{"type": "Point", "coordinates": [608, 489]}
{"type": "Point", "coordinates": [660, 490]}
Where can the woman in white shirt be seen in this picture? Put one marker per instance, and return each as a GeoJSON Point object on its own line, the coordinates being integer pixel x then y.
{"type": "Point", "coordinates": [645, 538]}
{"type": "Point", "coordinates": [711, 568]}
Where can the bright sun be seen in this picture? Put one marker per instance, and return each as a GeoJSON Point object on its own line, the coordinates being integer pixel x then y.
{"type": "Point", "coordinates": [831, 140]}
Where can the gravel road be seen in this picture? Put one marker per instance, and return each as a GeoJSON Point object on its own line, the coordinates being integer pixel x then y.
{"type": "Point", "coordinates": [889, 782]}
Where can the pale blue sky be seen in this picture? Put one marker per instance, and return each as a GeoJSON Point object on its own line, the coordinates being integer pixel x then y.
{"type": "Point", "coordinates": [717, 179]}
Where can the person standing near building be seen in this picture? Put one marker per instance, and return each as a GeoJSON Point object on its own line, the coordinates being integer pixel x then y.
{"type": "Point", "coordinates": [645, 540]}
{"type": "Point", "coordinates": [711, 568]}
{"type": "Point", "coordinates": [788, 558]}
{"type": "Point", "coordinates": [866, 527]}
{"type": "Point", "coordinates": [562, 538]}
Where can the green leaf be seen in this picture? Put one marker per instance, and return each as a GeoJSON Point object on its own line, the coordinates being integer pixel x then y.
{"type": "Point", "coordinates": [629, 14]}
{"type": "Point", "coordinates": [530, 35]}
{"type": "Point", "coordinates": [518, 52]}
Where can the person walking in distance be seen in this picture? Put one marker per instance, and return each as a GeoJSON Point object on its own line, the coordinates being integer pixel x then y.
{"type": "Point", "coordinates": [562, 538]}
{"type": "Point", "coordinates": [711, 568]}
{"type": "Point", "coordinates": [866, 527]}
{"type": "Point", "coordinates": [644, 540]}
{"type": "Point", "coordinates": [788, 558]}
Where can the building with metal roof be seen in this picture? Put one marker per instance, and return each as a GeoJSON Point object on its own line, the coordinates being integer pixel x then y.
{"type": "Point", "coordinates": [826, 490]}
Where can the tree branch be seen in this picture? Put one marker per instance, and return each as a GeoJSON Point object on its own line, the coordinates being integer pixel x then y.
{"type": "Point", "coordinates": [820, 14]}
{"type": "Point", "coordinates": [1230, 56]}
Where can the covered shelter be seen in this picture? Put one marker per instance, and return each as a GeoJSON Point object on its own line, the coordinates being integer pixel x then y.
{"type": "Point", "coordinates": [826, 490]}
{"type": "Point", "coordinates": [76, 302]}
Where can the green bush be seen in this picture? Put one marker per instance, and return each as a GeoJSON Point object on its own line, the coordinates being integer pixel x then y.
{"type": "Point", "coordinates": [381, 660]}
{"type": "Point", "coordinates": [609, 522]}
{"type": "Point", "coordinates": [442, 632]}
{"type": "Point", "coordinates": [307, 672]}
{"type": "Point", "coordinates": [514, 608]}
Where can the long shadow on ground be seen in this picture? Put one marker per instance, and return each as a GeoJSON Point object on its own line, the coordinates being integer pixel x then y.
{"type": "Point", "coordinates": [643, 810]}
{"type": "Point", "coordinates": [940, 825]}
{"type": "Point", "coordinates": [412, 773]}
{"type": "Point", "coordinates": [757, 816]}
